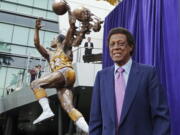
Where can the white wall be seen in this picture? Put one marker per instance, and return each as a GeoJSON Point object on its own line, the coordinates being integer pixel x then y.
{"type": "Point", "coordinates": [100, 9]}
{"type": "Point", "coordinates": [86, 73]}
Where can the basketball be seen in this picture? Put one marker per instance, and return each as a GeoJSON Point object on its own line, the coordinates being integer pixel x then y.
{"type": "Point", "coordinates": [59, 8]}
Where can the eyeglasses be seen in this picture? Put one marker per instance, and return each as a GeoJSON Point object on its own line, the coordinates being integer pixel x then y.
{"type": "Point", "coordinates": [119, 44]}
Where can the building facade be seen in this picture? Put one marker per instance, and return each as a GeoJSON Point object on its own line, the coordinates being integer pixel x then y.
{"type": "Point", "coordinates": [17, 51]}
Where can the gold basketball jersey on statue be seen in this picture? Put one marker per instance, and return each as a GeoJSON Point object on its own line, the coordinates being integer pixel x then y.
{"type": "Point", "coordinates": [60, 60]}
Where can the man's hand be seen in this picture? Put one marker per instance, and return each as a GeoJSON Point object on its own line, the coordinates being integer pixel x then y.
{"type": "Point", "coordinates": [38, 25]}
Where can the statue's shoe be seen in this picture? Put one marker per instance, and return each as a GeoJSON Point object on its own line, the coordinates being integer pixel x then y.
{"type": "Point", "coordinates": [44, 116]}
{"type": "Point", "coordinates": [81, 124]}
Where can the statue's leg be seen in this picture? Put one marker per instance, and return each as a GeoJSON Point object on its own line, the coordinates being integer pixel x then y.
{"type": "Point", "coordinates": [48, 81]}
{"type": "Point", "coordinates": [65, 97]}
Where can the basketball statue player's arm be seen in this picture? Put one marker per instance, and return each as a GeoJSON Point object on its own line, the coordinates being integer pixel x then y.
{"type": "Point", "coordinates": [69, 38]}
{"type": "Point", "coordinates": [37, 44]}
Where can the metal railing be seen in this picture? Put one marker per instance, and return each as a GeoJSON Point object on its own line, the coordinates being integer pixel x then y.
{"type": "Point", "coordinates": [80, 51]}
{"type": "Point", "coordinates": [23, 79]}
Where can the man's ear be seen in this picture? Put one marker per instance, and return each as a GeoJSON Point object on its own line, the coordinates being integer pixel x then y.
{"type": "Point", "coordinates": [131, 48]}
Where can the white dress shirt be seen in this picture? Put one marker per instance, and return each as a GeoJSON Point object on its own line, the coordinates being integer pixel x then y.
{"type": "Point", "coordinates": [89, 45]}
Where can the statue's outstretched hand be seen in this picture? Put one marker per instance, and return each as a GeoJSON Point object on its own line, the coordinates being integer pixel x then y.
{"type": "Point", "coordinates": [38, 25]}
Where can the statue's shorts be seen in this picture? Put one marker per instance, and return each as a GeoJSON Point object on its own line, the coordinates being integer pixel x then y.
{"type": "Point", "coordinates": [69, 76]}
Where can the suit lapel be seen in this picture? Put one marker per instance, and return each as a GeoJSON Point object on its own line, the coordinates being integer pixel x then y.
{"type": "Point", "coordinates": [131, 89]}
{"type": "Point", "coordinates": [110, 93]}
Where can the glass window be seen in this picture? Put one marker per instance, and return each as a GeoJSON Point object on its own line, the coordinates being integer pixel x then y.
{"type": "Point", "coordinates": [20, 35]}
{"type": "Point", "coordinates": [31, 37]}
{"type": "Point", "coordinates": [50, 4]}
{"type": "Point", "coordinates": [12, 0]}
{"type": "Point", "coordinates": [6, 31]}
{"type": "Point", "coordinates": [13, 78]}
{"type": "Point", "coordinates": [26, 2]}
{"type": "Point", "coordinates": [13, 61]}
{"type": "Point", "coordinates": [52, 16]}
{"type": "Point", "coordinates": [8, 6]}
{"type": "Point", "coordinates": [33, 52]}
{"type": "Point", "coordinates": [1, 92]}
{"type": "Point", "coordinates": [48, 37]}
{"type": "Point", "coordinates": [4, 47]}
{"type": "Point", "coordinates": [3, 72]}
{"type": "Point", "coordinates": [24, 10]}
{"type": "Point", "coordinates": [41, 4]}
{"type": "Point", "coordinates": [39, 13]}
{"type": "Point", "coordinates": [18, 49]}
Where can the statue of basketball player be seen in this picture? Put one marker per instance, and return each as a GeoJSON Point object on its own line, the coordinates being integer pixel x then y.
{"type": "Point", "coordinates": [62, 76]}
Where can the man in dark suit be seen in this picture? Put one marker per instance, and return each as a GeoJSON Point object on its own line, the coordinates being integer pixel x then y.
{"type": "Point", "coordinates": [88, 46]}
{"type": "Point", "coordinates": [127, 98]}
